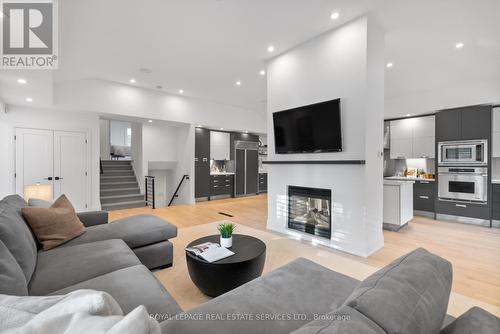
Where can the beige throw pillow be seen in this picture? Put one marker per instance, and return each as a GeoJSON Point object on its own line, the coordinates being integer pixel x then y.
{"type": "Point", "coordinates": [55, 225]}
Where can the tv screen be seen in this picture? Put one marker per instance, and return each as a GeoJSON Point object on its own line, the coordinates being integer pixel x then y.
{"type": "Point", "coordinates": [312, 128]}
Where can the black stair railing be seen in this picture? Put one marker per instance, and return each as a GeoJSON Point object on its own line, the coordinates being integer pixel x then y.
{"type": "Point", "coordinates": [100, 166]}
{"type": "Point", "coordinates": [184, 177]}
{"type": "Point", "coordinates": [150, 191]}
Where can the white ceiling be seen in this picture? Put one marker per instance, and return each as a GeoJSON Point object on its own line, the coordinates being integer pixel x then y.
{"type": "Point", "coordinates": [205, 46]}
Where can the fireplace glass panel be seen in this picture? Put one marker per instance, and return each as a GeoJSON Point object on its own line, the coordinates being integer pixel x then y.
{"type": "Point", "coordinates": [309, 210]}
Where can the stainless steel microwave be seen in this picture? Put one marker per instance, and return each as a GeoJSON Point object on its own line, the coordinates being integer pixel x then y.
{"type": "Point", "coordinates": [463, 153]}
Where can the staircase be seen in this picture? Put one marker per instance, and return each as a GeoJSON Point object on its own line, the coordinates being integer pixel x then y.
{"type": "Point", "coordinates": [119, 187]}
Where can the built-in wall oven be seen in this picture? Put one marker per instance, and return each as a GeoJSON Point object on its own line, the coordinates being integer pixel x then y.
{"type": "Point", "coordinates": [463, 153]}
{"type": "Point", "coordinates": [469, 184]}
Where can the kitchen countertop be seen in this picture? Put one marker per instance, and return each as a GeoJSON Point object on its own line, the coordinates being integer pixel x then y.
{"type": "Point", "coordinates": [397, 183]}
{"type": "Point", "coordinates": [405, 178]}
{"type": "Point", "coordinates": [221, 173]}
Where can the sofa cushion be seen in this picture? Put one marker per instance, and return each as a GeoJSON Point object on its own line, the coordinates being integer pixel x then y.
{"type": "Point", "coordinates": [131, 287]}
{"type": "Point", "coordinates": [55, 225]}
{"type": "Point", "coordinates": [475, 320]}
{"type": "Point", "coordinates": [16, 235]}
{"type": "Point", "coordinates": [345, 320]}
{"type": "Point", "coordinates": [279, 302]}
{"type": "Point", "coordinates": [414, 291]}
{"type": "Point", "coordinates": [64, 266]}
{"type": "Point", "coordinates": [136, 231]}
{"type": "Point", "coordinates": [12, 280]}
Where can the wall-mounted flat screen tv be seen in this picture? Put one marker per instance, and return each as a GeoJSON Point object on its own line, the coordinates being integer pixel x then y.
{"type": "Point", "coordinates": [309, 129]}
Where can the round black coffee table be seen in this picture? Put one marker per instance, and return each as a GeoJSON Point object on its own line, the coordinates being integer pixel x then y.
{"type": "Point", "coordinates": [214, 279]}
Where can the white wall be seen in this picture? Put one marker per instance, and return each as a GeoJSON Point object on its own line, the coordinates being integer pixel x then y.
{"type": "Point", "coordinates": [455, 95]}
{"type": "Point", "coordinates": [136, 151]}
{"type": "Point", "coordinates": [118, 132]}
{"type": "Point", "coordinates": [345, 63]}
{"type": "Point", "coordinates": [113, 98]}
{"type": "Point", "coordinates": [25, 117]}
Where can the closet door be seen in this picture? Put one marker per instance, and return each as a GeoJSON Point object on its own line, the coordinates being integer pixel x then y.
{"type": "Point", "coordinates": [70, 167]}
{"type": "Point", "coordinates": [34, 158]}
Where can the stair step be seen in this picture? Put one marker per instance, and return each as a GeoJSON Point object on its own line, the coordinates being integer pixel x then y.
{"type": "Point", "coordinates": [116, 185]}
{"type": "Point", "coordinates": [113, 199]}
{"type": "Point", "coordinates": [116, 162]}
{"type": "Point", "coordinates": [120, 191]}
{"type": "Point", "coordinates": [117, 178]}
{"type": "Point", "coordinates": [117, 167]}
{"type": "Point", "coordinates": [123, 205]}
{"type": "Point", "coordinates": [118, 172]}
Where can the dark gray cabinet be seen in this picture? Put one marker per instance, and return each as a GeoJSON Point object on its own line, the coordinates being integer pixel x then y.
{"type": "Point", "coordinates": [262, 182]}
{"type": "Point", "coordinates": [247, 171]}
{"type": "Point", "coordinates": [202, 163]}
{"type": "Point", "coordinates": [423, 196]}
{"type": "Point", "coordinates": [471, 210]}
{"type": "Point", "coordinates": [221, 185]}
{"type": "Point", "coordinates": [495, 209]}
{"type": "Point", "coordinates": [467, 123]}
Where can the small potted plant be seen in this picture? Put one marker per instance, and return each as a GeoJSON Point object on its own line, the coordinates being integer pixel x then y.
{"type": "Point", "coordinates": [226, 234]}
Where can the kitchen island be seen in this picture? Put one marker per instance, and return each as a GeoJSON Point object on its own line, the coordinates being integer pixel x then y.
{"type": "Point", "coordinates": [398, 203]}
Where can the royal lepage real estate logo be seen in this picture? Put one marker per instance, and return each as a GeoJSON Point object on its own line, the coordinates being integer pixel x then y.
{"type": "Point", "coordinates": [29, 34]}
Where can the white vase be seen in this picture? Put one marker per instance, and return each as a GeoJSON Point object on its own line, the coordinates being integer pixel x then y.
{"type": "Point", "coordinates": [226, 242]}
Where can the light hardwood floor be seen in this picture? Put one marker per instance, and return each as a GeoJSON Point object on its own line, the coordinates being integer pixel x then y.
{"type": "Point", "coordinates": [474, 251]}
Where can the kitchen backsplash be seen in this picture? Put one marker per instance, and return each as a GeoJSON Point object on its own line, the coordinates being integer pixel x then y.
{"type": "Point", "coordinates": [398, 166]}
{"type": "Point", "coordinates": [222, 166]}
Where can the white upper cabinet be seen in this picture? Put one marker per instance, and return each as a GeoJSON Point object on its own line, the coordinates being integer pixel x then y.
{"type": "Point", "coordinates": [413, 138]}
{"type": "Point", "coordinates": [219, 145]}
{"type": "Point", "coordinates": [495, 148]}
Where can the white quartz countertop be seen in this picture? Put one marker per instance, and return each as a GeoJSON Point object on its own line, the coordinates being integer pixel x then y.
{"type": "Point", "coordinates": [405, 178]}
{"type": "Point", "coordinates": [397, 183]}
{"type": "Point", "coordinates": [221, 173]}
{"type": "Point", "coordinates": [496, 181]}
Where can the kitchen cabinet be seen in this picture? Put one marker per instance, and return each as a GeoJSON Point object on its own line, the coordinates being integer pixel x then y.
{"type": "Point", "coordinates": [495, 135]}
{"type": "Point", "coordinates": [398, 204]}
{"type": "Point", "coordinates": [262, 182]}
{"type": "Point", "coordinates": [412, 138]}
{"type": "Point", "coordinates": [469, 123]}
{"type": "Point", "coordinates": [219, 145]}
{"type": "Point", "coordinates": [423, 196]}
{"type": "Point", "coordinates": [221, 185]}
{"type": "Point", "coordinates": [471, 210]}
{"type": "Point", "coordinates": [202, 163]}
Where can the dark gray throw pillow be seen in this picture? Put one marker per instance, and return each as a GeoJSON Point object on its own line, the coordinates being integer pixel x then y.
{"type": "Point", "coordinates": [12, 280]}
{"type": "Point", "coordinates": [410, 295]}
{"type": "Point", "coordinates": [475, 320]}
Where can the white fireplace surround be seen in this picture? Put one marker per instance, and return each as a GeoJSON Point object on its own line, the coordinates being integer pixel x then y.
{"type": "Point", "coordinates": [347, 62]}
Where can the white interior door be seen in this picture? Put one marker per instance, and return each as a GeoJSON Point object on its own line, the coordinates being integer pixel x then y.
{"type": "Point", "coordinates": [70, 167]}
{"type": "Point", "coordinates": [34, 158]}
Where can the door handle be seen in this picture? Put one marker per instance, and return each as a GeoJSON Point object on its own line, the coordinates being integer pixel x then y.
{"type": "Point", "coordinates": [57, 178]}
{"type": "Point", "coordinates": [424, 197]}
{"type": "Point", "coordinates": [195, 159]}
{"type": "Point", "coordinates": [48, 178]}
{"type": "Point", "coordinates": [461, 205]}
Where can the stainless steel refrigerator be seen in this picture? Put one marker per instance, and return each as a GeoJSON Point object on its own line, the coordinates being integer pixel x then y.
{"type": "Point", "coordinates": [246, 168]}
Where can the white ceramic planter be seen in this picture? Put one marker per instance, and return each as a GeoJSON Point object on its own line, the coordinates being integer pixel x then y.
{"type": "Point", "coordinates": [226, 242]}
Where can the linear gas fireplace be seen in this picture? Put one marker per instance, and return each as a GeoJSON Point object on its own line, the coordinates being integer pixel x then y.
{"type": "Point", "coordinates": [309, 210]}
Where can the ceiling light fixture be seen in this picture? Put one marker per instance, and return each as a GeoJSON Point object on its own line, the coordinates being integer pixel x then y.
{"type": "Point", "coordinates": [459, 45]}
{"type": "Point", "coordinates": [238, 83]}
{"type": "Point", "coordinates": [246, 131]}
{"type": "Point", "coordinates": [222, 128]}
{"type": "Point", "coordinates": [29, 99]}
{"type": "Point", "coordinates": [150, 121]}
{"type": "Point", "coordinates": [389, 65]}
{"type": "Point", "coordinates": [335, 15]}
{"type": "Point", "coordinates": [132, 80]}
{"type": "Point", "coordinates": [199, 126]}
{"type": "Point", "coordinates": [181, 91]}
{"type": "Point", "coordinates": [21, 81]}
{"type": "Point", "coordinates": [408, 115]}
{"type": "Point", "coordinates": [262, 72]}
{"type": "Point", "coordinates": [270, 48]}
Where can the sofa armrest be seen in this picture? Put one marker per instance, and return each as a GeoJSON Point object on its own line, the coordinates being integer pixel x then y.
{"type": "Point", "coordinates": [92, 218]}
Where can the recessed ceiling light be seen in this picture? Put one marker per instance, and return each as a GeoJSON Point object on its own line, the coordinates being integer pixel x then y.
{"type": "Point", "coordinates": [459, 45]}
{"type": "Point", "coordinates": [246, 131]}
{"type": "Point", "coordinates": [270, 48]}
{"type": "Point", "coordinates": [222, 128]}
{"type": "Point", "coordinates": [21, 81]}
{"type": "Point", "coordinates": [29, 99]}
{"type": "Point", "coordinates": [389, 65]}
{"type": "Point", "coordinates": [132, 80]}
{"type": "Point", "coordinates": [408, 115]}
{"type": "Point", "coordinates": [150, 121]}
{"type": "Point", "coordinates": [199, 126]}
{"type": "Point", "coordinates": [335, 15]}
{"type": "Point", "coordinates": [238, 83]}
{"type": "Point", "coordinates": [181, 91]}
{"type": "Point", "coordinates": [262, 72]}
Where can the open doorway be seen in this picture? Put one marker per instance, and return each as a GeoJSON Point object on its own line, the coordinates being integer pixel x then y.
{"type": "Point", "coordinates": [116, 140]}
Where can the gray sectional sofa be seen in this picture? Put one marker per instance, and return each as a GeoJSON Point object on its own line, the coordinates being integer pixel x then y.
{"type": "Point", "coordinates": [114, 258]}
{"type": "Point", "coordinates": [410, 295]}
